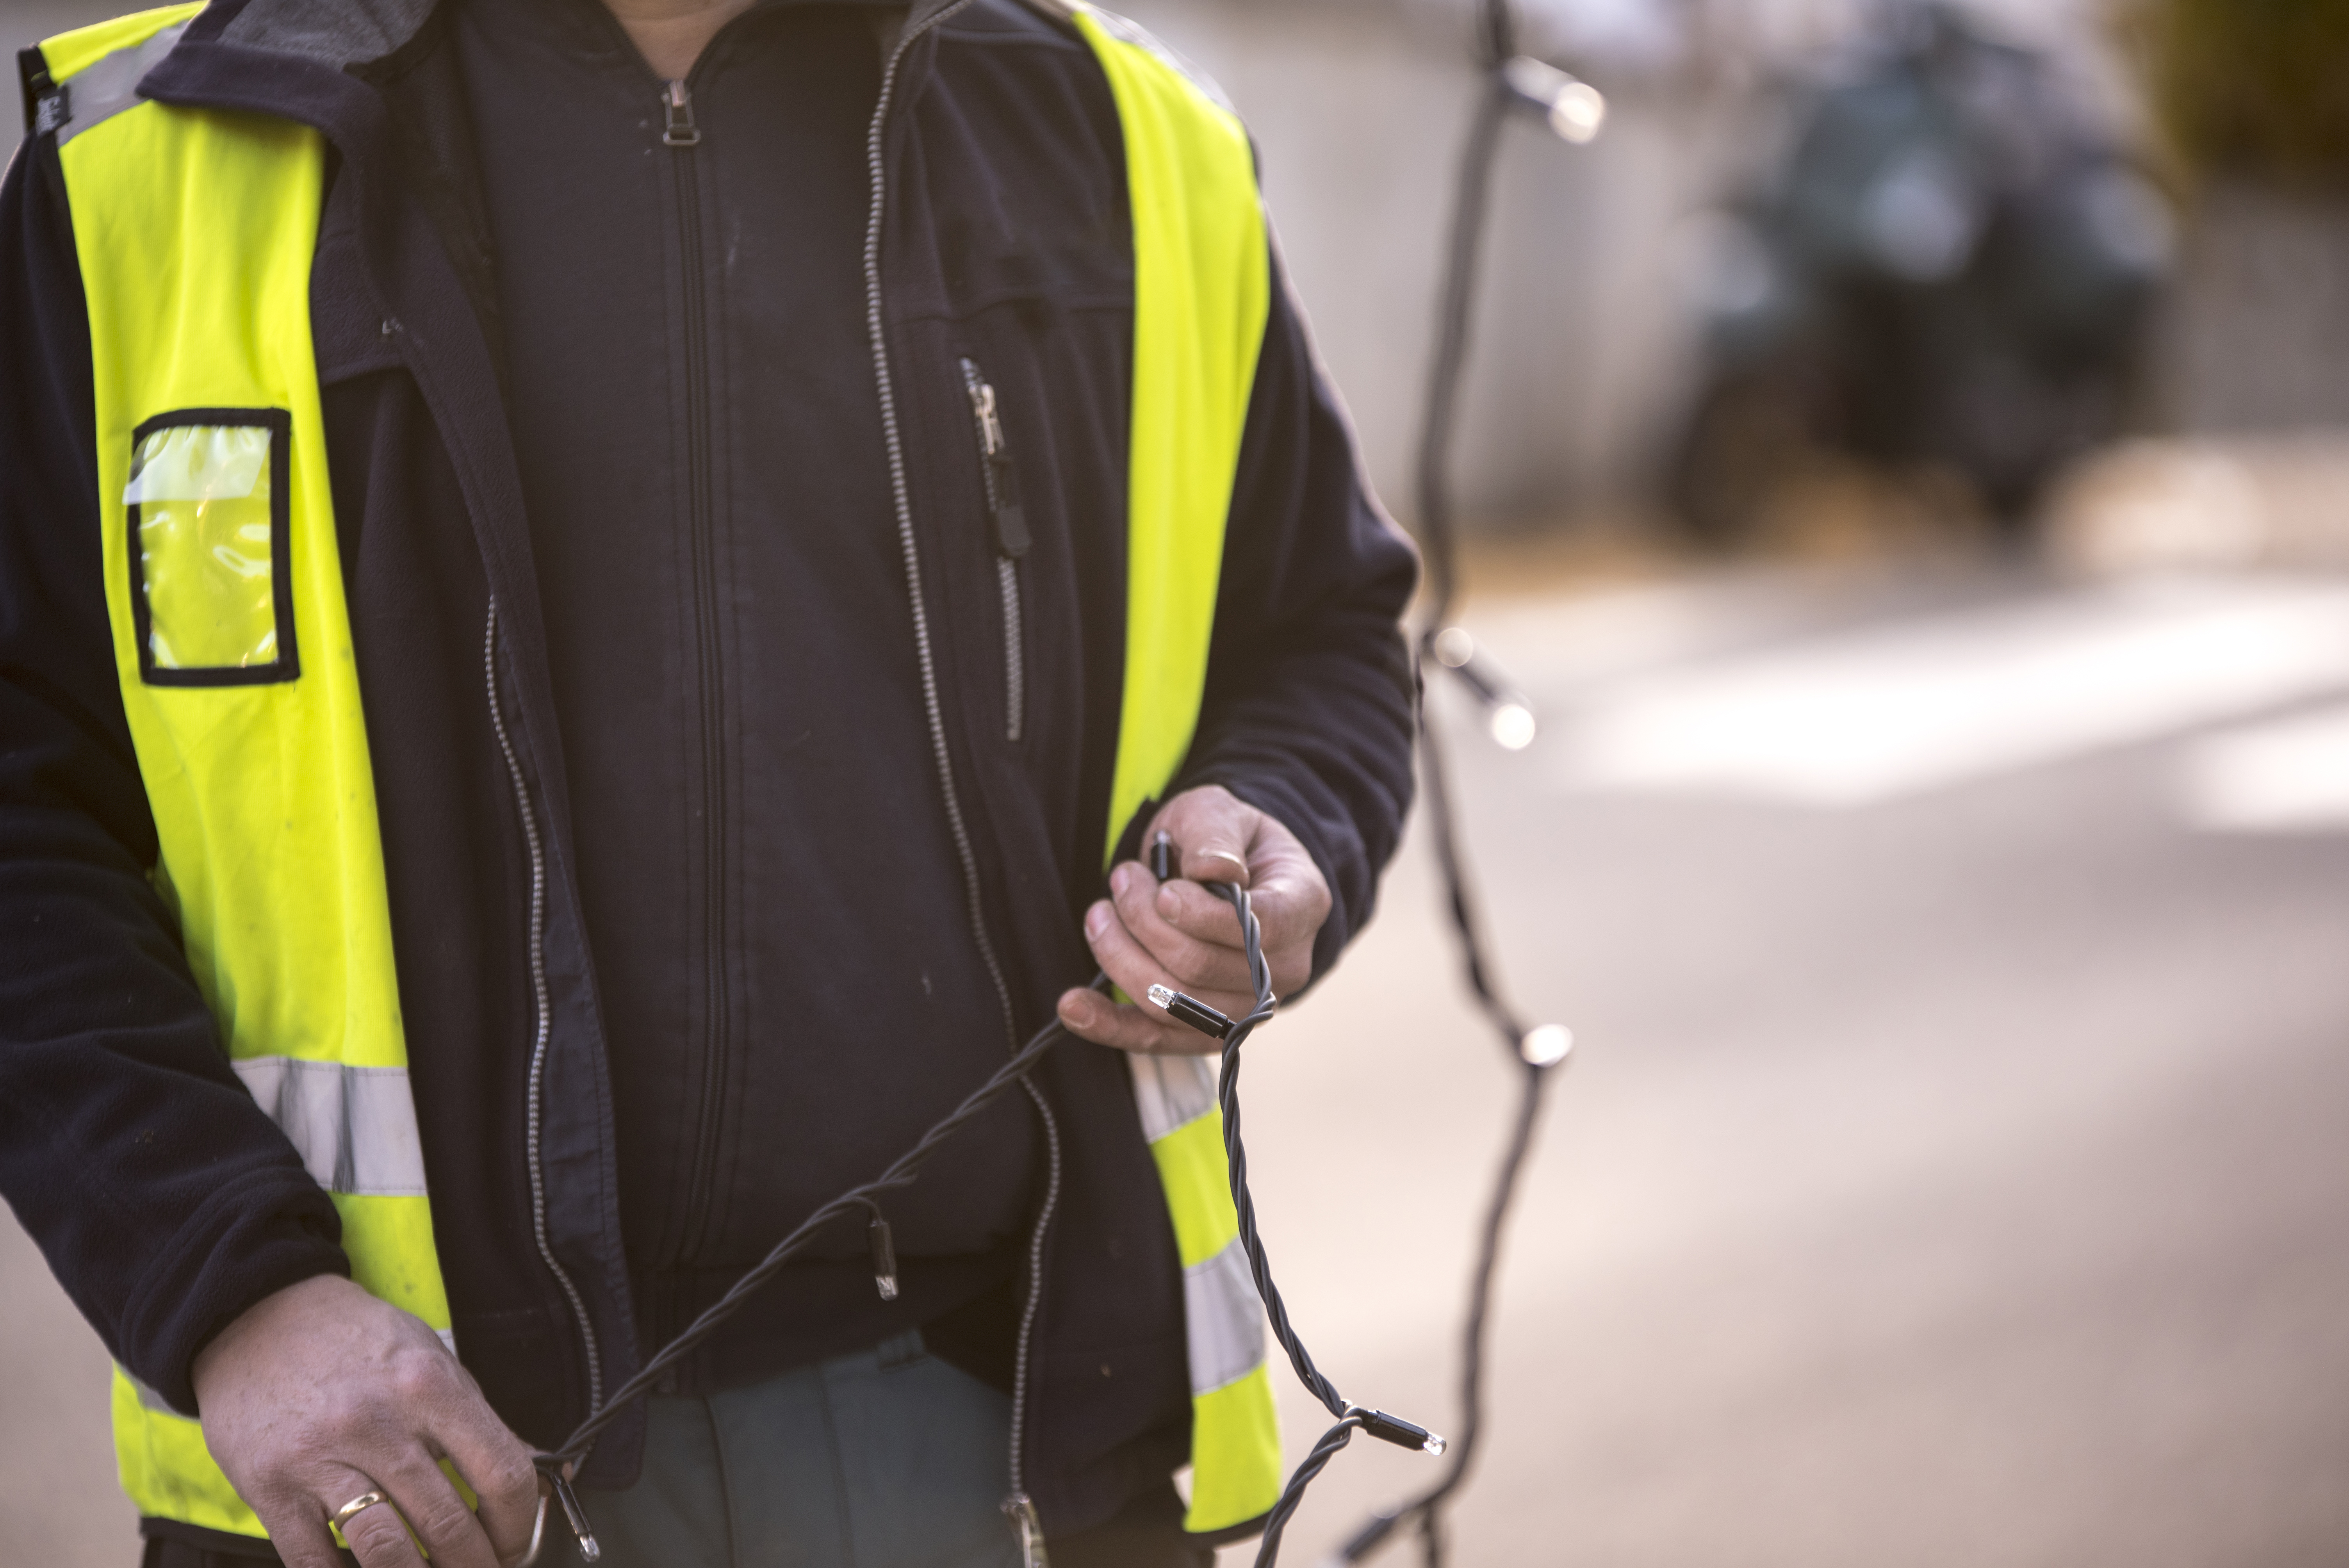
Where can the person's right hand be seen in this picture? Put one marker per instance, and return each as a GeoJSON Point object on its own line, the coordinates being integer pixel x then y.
{"type": "Point", "coordinates": [320, 1394]}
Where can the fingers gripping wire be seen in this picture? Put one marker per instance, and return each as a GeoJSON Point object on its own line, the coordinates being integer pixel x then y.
{"type": "Point", "coordinates": [1234, 1034]}
{"type": "Point", "coordinates": [558, 1464]}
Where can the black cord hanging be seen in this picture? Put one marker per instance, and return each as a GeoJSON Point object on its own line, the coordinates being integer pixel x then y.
{"type": "Point", "coordinates": [1510, 82]}
{"type": "Point", "coordinates": [1234, 1034]}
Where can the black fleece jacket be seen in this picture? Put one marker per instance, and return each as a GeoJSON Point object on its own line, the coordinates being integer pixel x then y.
{"type": "Point", "coordinates": [163, 1198]}
{"type": "Point", "coordinates": [759, 832]}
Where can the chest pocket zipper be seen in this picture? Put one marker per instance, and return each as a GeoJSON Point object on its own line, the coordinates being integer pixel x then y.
{"type": "Point", "coordinates": [1000, 476]}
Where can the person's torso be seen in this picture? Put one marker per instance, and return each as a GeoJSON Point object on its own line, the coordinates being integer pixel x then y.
{"type": "Point", "coordinates": [791, 990]}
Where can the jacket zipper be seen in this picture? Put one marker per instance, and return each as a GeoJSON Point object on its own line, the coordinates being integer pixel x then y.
{"type": "Point", "coordinates": [1019, 1506]}
{"type": "Point", "coordinates": [682, 135]}
{"type": "Point", "coordinates": [1021, 1509]}
{"type": "Point", "coordinates": [542, 1013]}
{"type": "Point", "coordinates": [1000, 476]}
{"type": "Point", "coordinates": [677, 113]}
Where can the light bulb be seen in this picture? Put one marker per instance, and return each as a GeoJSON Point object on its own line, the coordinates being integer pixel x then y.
{"type": "Point", "coordinates": [1546, 1044]}
{"type": "Point", "coordinates": [1577, 113]}
{"type": "Point", "coordinates": [1576, 110]}
{"type": "Point", "coordinates": [1513, 726]}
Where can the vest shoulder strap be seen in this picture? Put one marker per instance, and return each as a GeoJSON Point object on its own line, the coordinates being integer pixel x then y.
{"type": "Point", "coordinates": [78, 80]}
{"type": "Point", "coordinates": [1202, 292]}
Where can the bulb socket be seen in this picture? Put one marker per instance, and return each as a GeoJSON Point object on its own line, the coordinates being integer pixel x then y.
{"type": "Point", "coordinates": [1192, 1011]}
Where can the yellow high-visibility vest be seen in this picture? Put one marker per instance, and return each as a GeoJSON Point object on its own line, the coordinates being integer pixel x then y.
{"type": "Point", "coordinates": [196, 230]}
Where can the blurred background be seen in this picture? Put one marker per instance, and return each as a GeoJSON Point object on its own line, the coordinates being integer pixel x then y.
{"type": "Point", "coordinates": [1906, 463]}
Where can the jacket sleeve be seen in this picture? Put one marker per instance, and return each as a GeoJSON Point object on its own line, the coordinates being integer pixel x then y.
{"type": "Point", "coordinates": [163, 1197]}
{"type": "Point", "coordinates": [1308, 711]}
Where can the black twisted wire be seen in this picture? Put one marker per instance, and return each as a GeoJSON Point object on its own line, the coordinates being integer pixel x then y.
{"type": "Point", "coordinates": [1227, 1094]}
{"type": "Point", "coordinates": [1277, 1521]}
{"type": "Point", "coordinates": [1351, 1417]}
{"type": "Point", "coordinates": [557, 1462]}
{"type": "Point", "coordinates": [901, 1173]}
{"type": "Point", "coordinates": [1438, 537]}
{"type": "Point", "coordinates": [907, 1167]}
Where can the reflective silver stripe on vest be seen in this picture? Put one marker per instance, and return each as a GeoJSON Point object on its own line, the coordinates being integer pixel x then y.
{"type": "Point", "coordinates": [107, 86]}
{"type": "Point", "coordinates": [355, 1128]}
{"type": "Point", "coordinates": [1223, 1319]}
{"type": "Point", "coordinates": [1172, 1092]}
{"type": "Point", "coordinates": [1221, 1316]}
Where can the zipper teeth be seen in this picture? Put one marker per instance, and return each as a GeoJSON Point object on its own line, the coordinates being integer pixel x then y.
{"type": "Point", "coordinates": [1035, 1289]}
{"type": "Point", "coordinates": [543, 1013]}
{"type": "Point", "coordinates": [1006, 570]}
{"type": "Point", "coordinates": [1014, 672]}
{"type": "Point", "coordinates": [712, 698]}
{"type": "Point", "coordinates": [893, 437]}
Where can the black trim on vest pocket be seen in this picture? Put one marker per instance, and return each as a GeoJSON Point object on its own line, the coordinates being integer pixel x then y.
{"type": "Point", "coordinates": [286, 663]}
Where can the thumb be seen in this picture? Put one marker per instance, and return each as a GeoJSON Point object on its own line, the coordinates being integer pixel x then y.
{"type": "Point", "coordinates": [1222, 860]}
{"type": "Point", "coordinates": [1215, 832]}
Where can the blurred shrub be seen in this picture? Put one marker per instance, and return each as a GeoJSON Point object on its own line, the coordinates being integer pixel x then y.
{"type": "Point", "coordinates": [2256, 87]}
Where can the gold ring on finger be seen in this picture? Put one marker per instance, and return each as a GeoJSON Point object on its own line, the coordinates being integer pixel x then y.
{"type": "Point", "coordinates": [355, 1507]}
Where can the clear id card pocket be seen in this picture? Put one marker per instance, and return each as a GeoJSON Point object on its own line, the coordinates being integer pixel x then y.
{"type": "Point", "coordinates": [212, 590]}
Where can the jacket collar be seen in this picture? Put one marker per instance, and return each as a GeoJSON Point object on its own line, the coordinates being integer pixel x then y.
{"type": "Point", "coordinates": [337, 33]}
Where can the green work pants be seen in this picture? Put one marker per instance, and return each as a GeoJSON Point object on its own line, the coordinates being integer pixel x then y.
{"type": "Point", "coordinates": [888, 1458]}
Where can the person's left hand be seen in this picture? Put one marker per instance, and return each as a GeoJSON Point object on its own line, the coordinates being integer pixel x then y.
{"type": "Point", "coordinates": [1177, 933]}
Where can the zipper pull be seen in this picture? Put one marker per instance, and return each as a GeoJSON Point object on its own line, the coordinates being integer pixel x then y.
{"type": "Point", "coordinates": [1031, 1528]}
{"type": "Point", "coordinates": [884, 1255]}
{"type": "Point", "coordinates": [1002, 475]}
{"type": "Point", "coordinates": [676, 103]}
{"type": "Point", "coordinates": [990, 427]}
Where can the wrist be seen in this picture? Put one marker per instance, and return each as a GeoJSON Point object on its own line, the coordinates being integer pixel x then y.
{"type": "Point", "coordinates": [325, 1293]}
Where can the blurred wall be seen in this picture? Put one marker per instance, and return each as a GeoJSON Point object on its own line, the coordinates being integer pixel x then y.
{"type": "Point", "coordinates": [1358, 111]}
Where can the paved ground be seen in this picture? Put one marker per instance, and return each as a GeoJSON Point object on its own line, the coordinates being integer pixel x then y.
{"type": "Point", "coordinates": [1951, 1167]}
{"type": "Point", "coordinates": [1954, 1164]}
